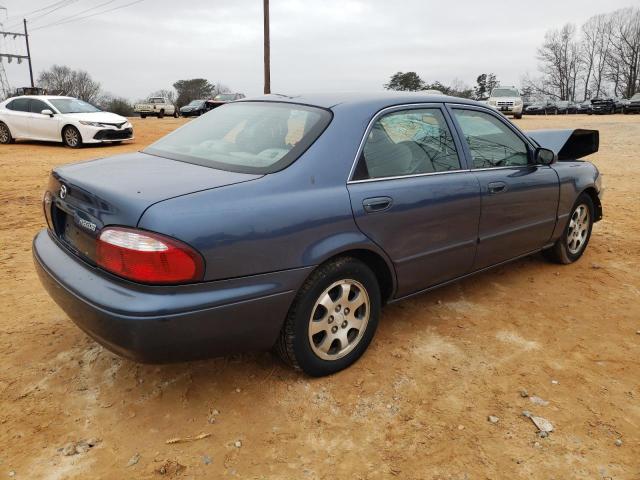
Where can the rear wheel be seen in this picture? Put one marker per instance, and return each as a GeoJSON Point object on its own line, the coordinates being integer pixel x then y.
{"type": "Point", "coordinates": [175, 113]}
{"type": "Point", "coordinates": [332, 319]}
{"type": "Point", "coordinates": [161, 114]}
{"type": "Point", "coordinates": [573, 242]}
{"type": "Point", "coordinates": [71, 137]}
{"type": "Point", "coordinates": [142, 115]}
{"type": "Point", "coordinates": [5, 134]}
{"type": "Point", "coordinates": [518, 116]}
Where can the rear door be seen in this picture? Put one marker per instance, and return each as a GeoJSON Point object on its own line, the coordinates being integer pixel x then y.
{"type": "Point", "coordinates": [43, 127]}
{"type": "Point", "coordinates": [412, 194]}
{"type": "Point", "coordinates": [18, 116]}
{"type": "Point", "coordinates": [519, 198]}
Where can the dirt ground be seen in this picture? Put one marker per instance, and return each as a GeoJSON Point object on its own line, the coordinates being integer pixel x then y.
{"type": "Point", "coordinates": [416, 406]}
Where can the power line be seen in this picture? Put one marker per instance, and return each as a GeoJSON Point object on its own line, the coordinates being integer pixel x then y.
{"type": "Point", "coordinates": [77, 14]}
{"type": "Point", "coordinates": [51, 8]}
{"type": "Point", "coordinates": [57, 23]}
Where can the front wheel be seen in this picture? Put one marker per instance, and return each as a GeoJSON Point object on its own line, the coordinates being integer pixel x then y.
{"type": "Point", "coordinates": [573, 242]}
{"type": "Point", "coordinates": [518, 116]}
{"type": "Point", "coordinates": [161, 114]}
{"type": "Point", "coordinates": [332, 319]}
{"type": "Point", "coordinates": [71, 137]}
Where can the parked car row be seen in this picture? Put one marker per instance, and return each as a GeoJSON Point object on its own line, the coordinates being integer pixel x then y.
{"type": "Point", "coordinates": [161, 106]}
{"type": "Point", "coordinates": [198, 107]}
{"type": "Point", "coordinates": [594, 106]}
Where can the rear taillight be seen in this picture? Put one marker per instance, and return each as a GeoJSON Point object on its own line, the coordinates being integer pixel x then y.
{"type": "Point", "coordinates": [147, 257]}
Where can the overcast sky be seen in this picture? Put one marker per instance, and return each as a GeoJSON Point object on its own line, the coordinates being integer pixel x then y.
{"type": "Point", "coordinates": [317, 45]}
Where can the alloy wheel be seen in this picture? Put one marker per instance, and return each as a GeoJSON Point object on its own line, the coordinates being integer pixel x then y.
{"type": "Point", "coordinates": [578, 229]}
{"type": "Point", "coordinates": [339, 319]}
{"type": "Point", "coordinates": [4, 134]}
{"type": "Point", "coordinates": [71, 137]}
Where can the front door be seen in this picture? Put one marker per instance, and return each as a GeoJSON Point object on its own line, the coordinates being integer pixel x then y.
{"type": "Point", "coordinates": [412, 194]}
{"type": "Point", "coordinates": [519, 198]}
{"type": "Point", "coordinates": [43, 127]}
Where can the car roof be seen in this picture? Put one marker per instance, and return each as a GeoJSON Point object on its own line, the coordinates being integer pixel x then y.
{"type": "Point", "coordinates": [374, 101]}
{"type": "Point", "coordinates": [40, 97]}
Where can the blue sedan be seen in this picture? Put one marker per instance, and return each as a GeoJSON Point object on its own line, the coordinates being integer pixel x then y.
{"type": "Point", "coordinates": [289, 221]}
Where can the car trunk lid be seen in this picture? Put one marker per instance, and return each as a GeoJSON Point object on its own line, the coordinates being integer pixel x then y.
{"type": "Point", "coordinates": [84, 197]}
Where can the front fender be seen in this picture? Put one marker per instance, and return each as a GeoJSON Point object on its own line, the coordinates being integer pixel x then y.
{"type": "Point", "coordinates": [575, 178]}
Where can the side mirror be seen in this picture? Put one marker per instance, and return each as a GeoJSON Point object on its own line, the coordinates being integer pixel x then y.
{"type": "Point", "coordinates": [544, 156]}
{"type": "Point", "coordinates": [46, 111]}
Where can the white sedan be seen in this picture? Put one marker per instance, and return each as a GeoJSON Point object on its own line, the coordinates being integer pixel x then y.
{"type": "Point", "coordinates": [60, 119]}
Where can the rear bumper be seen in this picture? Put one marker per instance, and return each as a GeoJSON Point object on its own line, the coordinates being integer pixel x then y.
{"type": "Point", "coordinates": [158, 324]}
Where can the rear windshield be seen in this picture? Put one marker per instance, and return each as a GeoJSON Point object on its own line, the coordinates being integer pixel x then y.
{"type": "Point", "coordinates": [245, 137]}
{"type": "Point", "coordinates": [225, 96]}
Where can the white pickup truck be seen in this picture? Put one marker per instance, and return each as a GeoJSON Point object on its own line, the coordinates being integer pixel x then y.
{"type": "Point", "coordinates": [157, 107]}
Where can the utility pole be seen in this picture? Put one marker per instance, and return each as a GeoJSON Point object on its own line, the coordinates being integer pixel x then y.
{"type": "Point", "coordinates": [26, 37]}
{"type": "Point", "coordinates": [267, 49]}
{"type": "Point", "coordinates": [19, 58]}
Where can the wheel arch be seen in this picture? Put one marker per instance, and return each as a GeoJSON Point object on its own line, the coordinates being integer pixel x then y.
{"type": "Point", "coordinates": [66, 125]}
{"type": "Point", "coordinates": [597, 204]}
{"type": "Point", "coordinates": [381, 267]}
{"type": "Point", "coordinates": [8, 127]}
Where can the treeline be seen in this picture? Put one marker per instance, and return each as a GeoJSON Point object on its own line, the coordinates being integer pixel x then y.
{"type": "Point", "coordinates": [62, 80]}
{"type": "Point", "coordinates": [411, 82]}
{"type": "Point", "coordinates": [601, 58]}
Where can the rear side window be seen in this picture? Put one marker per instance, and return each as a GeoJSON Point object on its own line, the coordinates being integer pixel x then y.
{"type": "Point", "coordinates": [19, 105]}
{"type": "Point", "coordinates": [491, 143]}
{"type": "Point", "coordinates": [406, 143]}
{"type": "Point", "coordinates": [38, 105]}
{"type": "Point", "coordinates": [246, 137]}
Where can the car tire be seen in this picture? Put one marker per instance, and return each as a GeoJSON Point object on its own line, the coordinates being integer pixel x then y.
{"type": "Point", "coordinates": [518, 116]}
{"type": "Point", "coordinates": [142, 115]}
{"type": "Point", "coordinates": [575, 238]}
{"type": "Point", "coordinates": [161, 114]}
{"type": "Point", "coordinates": [5, 133]}
{"type": "Point", "coordinates": [320, 335]}
{"type": "Point", "coordinates": [71, 137]}
{"type": "Point", "coordinates": [175, 114]}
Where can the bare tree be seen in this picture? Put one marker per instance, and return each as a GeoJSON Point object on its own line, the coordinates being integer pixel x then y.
{"type": "Point", "coordinates": [559, 63]}
{"type": "Point", "coordinates": [62, 80]}
{"type": "Point", "coordinates": [593, 49]}
{"type": "Point", "coordinates": [165, 93]}
{"type": "Point", "coordinates": [624, 55]}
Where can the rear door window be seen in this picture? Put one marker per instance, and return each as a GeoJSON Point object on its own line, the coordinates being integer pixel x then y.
{"type": "Point", "coordinates": [19, 105]}
{"type": "Point", "coordinates": [408, 142]}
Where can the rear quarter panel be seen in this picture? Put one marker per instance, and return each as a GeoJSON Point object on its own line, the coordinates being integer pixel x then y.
{"type": "Point", "coordinates": [294, 218]}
